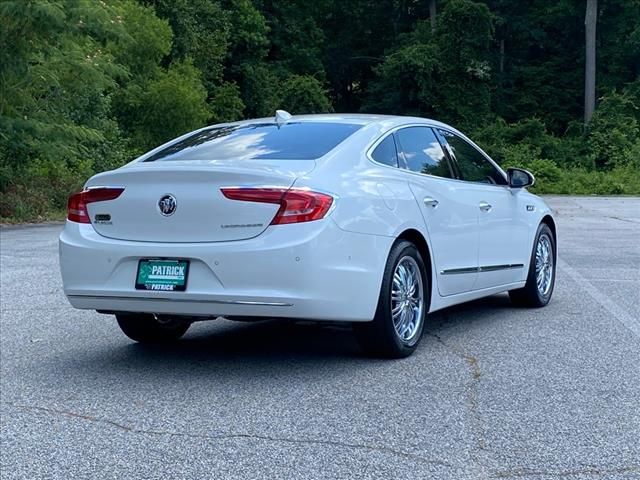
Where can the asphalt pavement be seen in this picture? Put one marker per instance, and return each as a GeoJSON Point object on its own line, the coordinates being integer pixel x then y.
{"type": "Point", "coordinates": [493, 391]}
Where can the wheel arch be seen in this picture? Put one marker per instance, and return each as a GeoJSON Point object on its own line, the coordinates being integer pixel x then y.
{"type": "Point", "coordinates": [550, 222]}
{"type": "Point", "coordinates": [417, 238]}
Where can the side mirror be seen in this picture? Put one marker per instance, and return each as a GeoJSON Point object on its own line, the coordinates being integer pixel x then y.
{"type": "Point", "coordinates": [519, 178]}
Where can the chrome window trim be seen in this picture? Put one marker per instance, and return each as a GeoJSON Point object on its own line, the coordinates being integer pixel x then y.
{"type": "Point", "coordinates": [373, 146]}
{"type": "Point", "coordinates": [379, 140]}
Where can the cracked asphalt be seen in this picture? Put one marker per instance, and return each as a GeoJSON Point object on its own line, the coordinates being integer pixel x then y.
{"type": "Point", "coordinates": [493, 391]}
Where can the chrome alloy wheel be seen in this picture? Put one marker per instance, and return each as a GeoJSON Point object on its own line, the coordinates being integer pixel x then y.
{"type": "Point", "coordinates": [544, 265]}
{"type": "Point", "coordinates": [407, 299]}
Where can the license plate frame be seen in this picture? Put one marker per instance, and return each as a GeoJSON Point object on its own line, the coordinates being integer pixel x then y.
{"type": "Point", "coordinates": [162, 280]}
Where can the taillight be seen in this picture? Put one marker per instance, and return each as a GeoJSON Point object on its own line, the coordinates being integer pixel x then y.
{"type": "Point", "coordinates": [77, 204]}
{"type": "Point", "coordinates": [296, 205]}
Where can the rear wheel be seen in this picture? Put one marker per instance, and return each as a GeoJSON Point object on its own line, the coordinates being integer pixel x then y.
{"type": "Point", "coordinates": [542, 272]}
{"type": "Point", "coordinates": [402, 306]}
{"type": "Point", "coordinates": [149, 328]}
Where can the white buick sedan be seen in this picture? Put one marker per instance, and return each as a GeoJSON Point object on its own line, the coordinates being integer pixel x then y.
{"type": "Point", "coordinates": [373, 220]}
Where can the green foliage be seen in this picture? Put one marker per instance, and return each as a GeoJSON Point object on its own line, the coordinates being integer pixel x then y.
{"type": "Point", "coordinates": [147, 39]}
{"type": "Point", "coordinates": [304, 94]}
{"type": "Point", "coordinates": [614, 132]}
{"type": "Point", "coordinates": [445, 74]}
{"type": "Point", "coordinates": [296, 38]}
{"type": "Point", "coordinates": [463, 37]}
{"type": "Point", "coordinates": [259, 89]}
{"type": "Point", "coordinates": [249, 31]}
{"type": "Point", "coordinates": [407, 79]}
{"type": "Point", "coordinates": [578, 181]}
{"type": "Point", "coordinates": [201, 30]}
{"type": "Point", "coordinates": [84, 89]}
{"type": "Point", "coordinates": [56, 73]}
{"type": "Point", "coordinates": [528, 138]}
{"type": "Point", "coordinates": [565, 165]}
{"type": "Point", "coordinates": [227, 105]}
{"type": "Point", "coordinates": [171, 103]}
{"type": "Point", "coordinates": [88, 85]}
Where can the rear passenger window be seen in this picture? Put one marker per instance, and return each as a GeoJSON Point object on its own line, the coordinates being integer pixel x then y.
{"type": "Point", "coordinates": [422, 152]}
{"type": "Point", "coordinates": [386, 153]}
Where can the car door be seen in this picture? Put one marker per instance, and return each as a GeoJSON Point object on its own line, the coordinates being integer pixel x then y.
{"type": "Point", "coordinates": [503, 247]}
{"type": "Point", "coordinates": [450, 217]}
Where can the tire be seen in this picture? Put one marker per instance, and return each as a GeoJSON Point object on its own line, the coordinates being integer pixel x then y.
{"type": "Point", "coordinates": [532, 295]}
{"type": "Point", "coordinates": [146, 328]}
{"type": "Point", "coordinates": [383, 337]}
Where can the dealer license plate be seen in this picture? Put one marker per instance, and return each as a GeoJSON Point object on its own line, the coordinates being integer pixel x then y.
{"type": "Point", "coordinates": [162, 275]}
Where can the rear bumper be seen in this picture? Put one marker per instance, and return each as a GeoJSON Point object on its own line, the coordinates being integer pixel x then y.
{"type": "Point", "coordinates": [310, 270]}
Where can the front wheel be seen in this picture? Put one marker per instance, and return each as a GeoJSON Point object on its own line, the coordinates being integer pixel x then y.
{"type": "Point", "coordinates": [402, 306]}
{"type": "Point", "coordinates": [542, 272]}
{"type": "Point", "coordinates": [149, 328]}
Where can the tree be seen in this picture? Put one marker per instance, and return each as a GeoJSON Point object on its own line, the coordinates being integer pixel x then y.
{"type": "Point", "coordinates": [155, 102]}
{"type": "Point", "coordinates": [201, 31]}
{"type": "Point", "coordinates": [57, 72]}
{"type": "Point", "coordinates": [88, 85]}
{"type": "Point", "coordinates": [432, 14]}
{"type": "Point", "coordinates": [226, 104]}
{"type": "Point", "coordinates": [168, 104]}
{"type": "Point", "coordinates": [590, 21]}
{"type": "Point", "coordinates": [304, 94]}
{"type": "Point", "coordinates": [296, 38]}
{"type": "Point", "coordinates": [406, 81]}
{"type": "Point", "coordinates": [464, 42]}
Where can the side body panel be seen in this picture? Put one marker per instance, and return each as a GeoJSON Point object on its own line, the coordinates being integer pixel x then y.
{"type": "Point", "coordinates": [503, 247]}
{"type": "Point", "coordinates": [377, 199]}
{"type": "Point", "coordinates": [453, 231]}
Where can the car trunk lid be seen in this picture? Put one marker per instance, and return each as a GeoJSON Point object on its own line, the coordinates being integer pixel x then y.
{"type": "Point", "coordinates": [182, 201]}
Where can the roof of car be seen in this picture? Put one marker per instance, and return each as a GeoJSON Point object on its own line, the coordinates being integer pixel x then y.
{"type": "Point", "coordinates": [359, 118]}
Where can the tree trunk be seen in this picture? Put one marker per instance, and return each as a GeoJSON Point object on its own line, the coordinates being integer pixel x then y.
{"type": "Point", "coordinates": [432, 14]}
{"type": "Point", "coordinates": [590, 20]}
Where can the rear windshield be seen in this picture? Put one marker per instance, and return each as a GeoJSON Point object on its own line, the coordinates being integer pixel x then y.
{"type": "Point", "coordinates": [291, 141]}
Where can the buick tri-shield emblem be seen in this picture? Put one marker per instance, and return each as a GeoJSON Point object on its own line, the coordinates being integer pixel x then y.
{"type": "Point", "coordinates": [167, 205]}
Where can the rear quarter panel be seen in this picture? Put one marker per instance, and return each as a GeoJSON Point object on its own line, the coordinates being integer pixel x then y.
{"type": "Point", "coordinates": [371, 199]}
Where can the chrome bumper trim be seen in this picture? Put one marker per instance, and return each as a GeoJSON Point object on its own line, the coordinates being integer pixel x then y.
{"type": "Point", "coordinates": [184, 300]}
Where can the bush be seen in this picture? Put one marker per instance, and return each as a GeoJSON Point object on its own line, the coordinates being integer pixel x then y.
{"type": "Point", "coordinates": [614, 132]}
{"type": "Point", "coordinates": [530, 136]}
{"type": "Point", "coordinates": [41, 191]}
{"type": "Point", "coordinates": [566, 165]}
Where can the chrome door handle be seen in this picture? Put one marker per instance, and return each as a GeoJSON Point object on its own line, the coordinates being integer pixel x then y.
{"type": "Point", "coordinates": [484, 206]}
{"type": "Point", "coordinates": [430, 202]}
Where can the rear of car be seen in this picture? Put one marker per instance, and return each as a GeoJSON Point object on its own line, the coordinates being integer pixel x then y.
{"type": "Point", "coordinates": [222, 222]}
